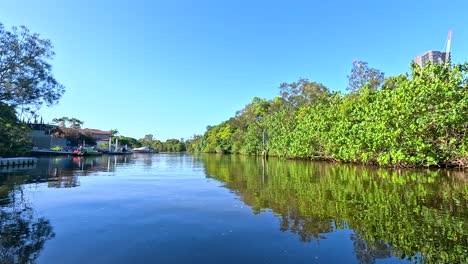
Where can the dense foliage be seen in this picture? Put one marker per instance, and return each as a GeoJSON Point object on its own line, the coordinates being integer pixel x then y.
{"type": "Point", "coordinates": [14, 139]}
{"type": "Point", "coordinates": [129, 141]}
{"type": "Point", "coordinates": [170, 145]}
{"type": "Point", "coordinates": [414, 119]}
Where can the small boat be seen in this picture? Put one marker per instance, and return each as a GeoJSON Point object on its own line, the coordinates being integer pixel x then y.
{"type": "Point", "coordinates": [145, 150]}
{"type": "Point", "coordinates": [87, 151]}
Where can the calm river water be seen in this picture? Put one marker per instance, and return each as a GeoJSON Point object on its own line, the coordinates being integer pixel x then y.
{"type": "Point", "coordinates": [177, 208]}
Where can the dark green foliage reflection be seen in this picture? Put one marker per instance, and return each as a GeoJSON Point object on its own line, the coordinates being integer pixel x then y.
{"type": "Point", "coordinates": [421, 216]}
{"type": "Point", "coordinates": [22, 233]}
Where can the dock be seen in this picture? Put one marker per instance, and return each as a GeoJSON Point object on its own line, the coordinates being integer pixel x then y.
{"type": "Point", "coordinates": [50, 153]}
{"type": "Point", "coordinates": [20, 161]}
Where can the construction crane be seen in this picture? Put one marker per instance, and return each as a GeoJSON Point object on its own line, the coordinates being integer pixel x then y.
{"type": "Point", "coordinates": [447, 51]}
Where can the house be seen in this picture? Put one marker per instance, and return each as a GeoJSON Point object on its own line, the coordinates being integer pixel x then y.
{"type": "Point", "coordinates": [45, 136]}
{"type": "Point", "coordinates": [41, 136]}
{"type": "Point", "coordinates": [100, 136]}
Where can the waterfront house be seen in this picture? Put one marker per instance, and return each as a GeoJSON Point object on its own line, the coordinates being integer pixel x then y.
{"type": "Point", "coordinates": [42, 136]}
{"type": "Point", "coordinates": [100, 136]}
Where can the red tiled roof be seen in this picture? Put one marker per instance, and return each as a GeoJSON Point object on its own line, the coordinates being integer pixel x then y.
{"type": "Point", "coordinates": [96, 131]}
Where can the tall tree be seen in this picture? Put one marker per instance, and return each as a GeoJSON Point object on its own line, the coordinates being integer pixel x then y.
{"type": "Point", "coordinates": [254, 112]}
{"type": "Point", "coordinates": [362, 74]}
{"type": "Point", "coordinates": [68, 122]}
{"type": "Point", "coordinates": [303, 92]}
{"type": "Point", "coordinates": [61, 121]}
{"type": "Point", "coordinates": [114, 132]}
{"type": "Point", "coordinates": [75, 123]}
{"type": "Point", "coordinates": [147, 140]}
{"type": "Point", "coordinates": [26, 80]}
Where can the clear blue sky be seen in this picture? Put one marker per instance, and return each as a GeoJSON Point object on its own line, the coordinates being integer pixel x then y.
{"type": "Point", "coordinates": [172, 67]}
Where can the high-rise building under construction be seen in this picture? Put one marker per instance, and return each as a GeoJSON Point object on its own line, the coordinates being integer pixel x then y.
{"type": "Point", "coordinates": [433, 56]}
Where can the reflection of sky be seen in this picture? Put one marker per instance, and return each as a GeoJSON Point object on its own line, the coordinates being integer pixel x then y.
{"type": "Point", "coordinates": [164, 209]}
{"type": "Point", "coordinates": [62, 169]}
{"type": "Point", "coordinates": [171, 218]}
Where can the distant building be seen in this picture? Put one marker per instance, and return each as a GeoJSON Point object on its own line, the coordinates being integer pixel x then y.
{"type": "Point", "coordinates": [431, 56]}
{"type": "Point", "coordinates": [100, 136]}
{"type": "Point", "coordinates": [45, 136]}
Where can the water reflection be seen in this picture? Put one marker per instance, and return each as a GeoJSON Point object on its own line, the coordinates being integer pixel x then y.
{"type": "Point", "coordinates": [420, 216]}
{"type": "Point", "coordinates": [368, 253]}
{"type": "Point", "coordinates": [22, 234]}
{"type": "Point", "coordinates": [64, 172]}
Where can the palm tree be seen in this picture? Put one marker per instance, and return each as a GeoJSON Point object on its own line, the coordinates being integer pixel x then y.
{"type": "Point", "coordinates": [114, 132]}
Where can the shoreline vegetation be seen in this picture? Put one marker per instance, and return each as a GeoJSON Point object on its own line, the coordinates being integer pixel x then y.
{"type": "Point", "coordinates": [416, 119]}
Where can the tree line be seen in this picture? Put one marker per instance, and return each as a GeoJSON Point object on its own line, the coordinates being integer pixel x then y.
{"type": "Point", "coordinates": [70, 128]}
{"type": "Point", "coordinates": [170, 145]}
{"type": "Point", "coordinates": [413, 119]}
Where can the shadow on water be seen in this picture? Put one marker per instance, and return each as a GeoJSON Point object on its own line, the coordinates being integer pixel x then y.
{"type": "Point", "coordinates": [417, 215]}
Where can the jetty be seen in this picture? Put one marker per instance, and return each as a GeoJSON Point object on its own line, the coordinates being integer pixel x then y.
{"type": "Point", "coordinates": [19, 161]}
{"type": "Point", "coordinates": [40, 152]}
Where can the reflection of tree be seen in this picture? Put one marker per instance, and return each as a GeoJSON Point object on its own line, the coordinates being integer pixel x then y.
{"type": "Point", "coordinates": [147, 160]}
{"type": "Point", "coordinates": [22, 236]}
{"type": "Point", "coordinates": [368, 252]}
{"type": "Point", "coordinates": [59, 178]}
{"type": "Point", "coordinates": [408, 214]}
{"type": "Point", "coordinates": [307, 228]}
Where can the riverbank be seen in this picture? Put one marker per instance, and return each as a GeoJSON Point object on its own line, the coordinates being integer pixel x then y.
{"type": "Point", "coordinates": [412, 120]}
